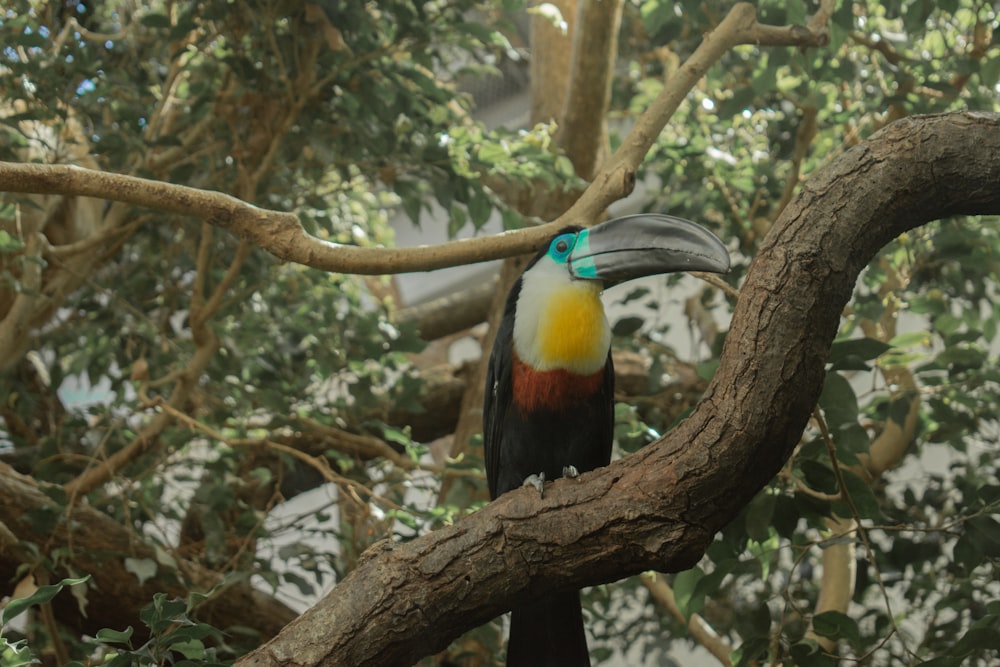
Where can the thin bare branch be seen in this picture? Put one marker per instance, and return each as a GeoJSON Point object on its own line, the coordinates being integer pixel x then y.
{"type": "Point", "coordinates": [700, 629]}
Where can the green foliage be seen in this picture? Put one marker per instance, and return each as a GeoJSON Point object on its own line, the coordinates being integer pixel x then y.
{"type": "Point", "coordinates": [41, 595]}
{"type": "Point", "coordinates": [174, 639]}
{"type": "Point", "coordinates": [349, 113]}
{"type": "Point", "coordinates": [18, 652]}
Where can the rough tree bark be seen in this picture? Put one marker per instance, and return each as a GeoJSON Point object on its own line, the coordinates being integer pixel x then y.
{"type": "Point", "coordinates": [660, 508]}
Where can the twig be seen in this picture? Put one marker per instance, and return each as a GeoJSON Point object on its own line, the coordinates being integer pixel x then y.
{"type": "Point", "coordinates": [856, 516]}
{"type": "Point", "coordinates": [715, 281]}
{"type": "Point", "coordinates": [186, 380]}
{"type": "Point", "coordinates": [319, 464]}
{"type": "Point", "coordinates": [700, 629]}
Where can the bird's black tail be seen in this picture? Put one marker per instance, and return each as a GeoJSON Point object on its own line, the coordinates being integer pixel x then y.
{"type": "Point", "coordinates": [548, 633]}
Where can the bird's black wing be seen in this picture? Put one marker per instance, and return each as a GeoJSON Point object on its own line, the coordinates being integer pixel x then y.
{"type": "Point", "coordinates": [498, 393]}
{"type": "Point", "coordinates": [607, 404]}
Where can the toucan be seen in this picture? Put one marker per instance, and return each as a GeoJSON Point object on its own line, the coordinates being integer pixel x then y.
{"type": "Point", "coordinates": [549, 395]}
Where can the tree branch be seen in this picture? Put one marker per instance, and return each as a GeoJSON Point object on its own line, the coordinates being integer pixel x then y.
{"type": "Point", "coordinates": [451, 313]}
{"type": "Point", "coordinates": [281, 234]}
{"type": "Point", "coordinates": [659, 508]}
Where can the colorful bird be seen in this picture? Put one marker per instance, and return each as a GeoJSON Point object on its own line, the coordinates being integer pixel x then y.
{"type": "Point", "coordinates": [549, 406]}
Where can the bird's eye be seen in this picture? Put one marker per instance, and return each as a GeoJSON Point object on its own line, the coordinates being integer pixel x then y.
{"type": "Point", "coordinates": [561, 245]}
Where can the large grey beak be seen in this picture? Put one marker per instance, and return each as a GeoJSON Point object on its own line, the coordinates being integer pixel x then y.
{"type": "Point", "coordinates": [643, 245]}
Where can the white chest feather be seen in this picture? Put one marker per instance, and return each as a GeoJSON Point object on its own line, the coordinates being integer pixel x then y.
{"type": "Point", "coordinates": [560, 323]}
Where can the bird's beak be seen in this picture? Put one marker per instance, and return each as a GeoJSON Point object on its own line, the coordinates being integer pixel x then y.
{"type": "Point", "coordinates": [643, 245]}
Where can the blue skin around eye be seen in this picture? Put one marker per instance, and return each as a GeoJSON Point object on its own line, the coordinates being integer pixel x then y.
{"type": "Point", "coordinates": [583, 267]}
{"type": "Point", "coordinates": [555, 253]}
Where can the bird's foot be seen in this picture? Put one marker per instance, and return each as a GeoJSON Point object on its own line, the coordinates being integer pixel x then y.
{"type": "Point", "coordinates": [537, 481]}
{"type": "Point", "coordinates": [570, 472]}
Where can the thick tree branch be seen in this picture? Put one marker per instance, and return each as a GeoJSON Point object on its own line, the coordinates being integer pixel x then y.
{"type": "Point", "coordinates": [658, 509]}
{"type": "Point", "coordinates": [451, 313]}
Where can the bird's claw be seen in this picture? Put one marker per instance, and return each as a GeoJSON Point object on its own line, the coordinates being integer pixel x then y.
{"type": "Point", "coordinates": [537, 481]}
{"type": "Point", "coordinates": [570, 471]}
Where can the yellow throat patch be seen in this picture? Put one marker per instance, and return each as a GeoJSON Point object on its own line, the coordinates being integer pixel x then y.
{"type": "Point", "coordinates": [572, 330]}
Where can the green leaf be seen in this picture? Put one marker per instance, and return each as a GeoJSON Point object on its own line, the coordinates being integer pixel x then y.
{"type": "Point", "coordinates": [480, 208]}
{"type": "Point", "coordinates": [837, 625]}
{"type": "Point", "coordinates": [819, 476]}
{"type": "Point", "coordinates": [899, 409]}
{"type": "Point", "coordinates": [852, 354]}
{"type": "Point", "coordinates": [31, 40]}
{"type": "Point", "coordinates": [977, 639]}
{"type": "Point", "coordinates": [862, 348]}
{"type": "Point", "coordinates": [861, 495]}
{"type": "Point", "coordinates": [163, 612]}
{"type": "Point", "coordinates": [759, 515]}
{"type": "Point", "coordinates": [8, 243]}
{"type": "Point", "coordinates": [947, 323]}
{"type": "Point", "coordinates": [511, 219]}
{"type": "Point", "coordinates": [16, 654]}
{"type": "Point", "coordinates": [142, 568]}
{"type": "Point", "coordinates": [656, 14]}
{"type": "Point", "coordinates": [155, 21]}
{"type": "Point", "coordinates": [967, 552]}
{"type": "Point", "coordinates": [839, 404]}
{"type": "Point", "coordinates": [685, 584]}
{"type": "Point", "coordinates": [985, 531]}
{"type": "Point", "coordinates": [989, 72]}
{"type": "Point", "coordinates": [109, 636]}
{"type": "Point", "coordinates": [706, 369]}
{"type": "Point", "coordinates": [192, 649]}
{"type": "Point", "coordinates": [564, 168]}
{"type": "Point", "coordinates": [41, 595]}
{"type": "Point", "coordinates": [943, 661]}
{"type": "Point", "coordinates": [456, 220]}
{"type": "Point", "coordinates": [627, 326]}
{"type": "Point", "coordinates": [751, 651]}
{"type": "Point", "coordinates": [850, 440]}
{"type": "Point", "coordinates": [636, 293]}
{"type": "Point", "coordinates": [807, 653]}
